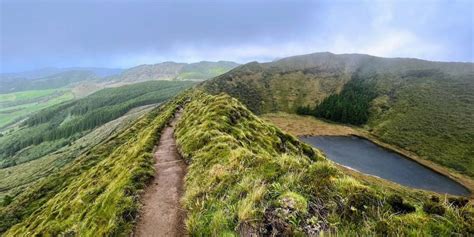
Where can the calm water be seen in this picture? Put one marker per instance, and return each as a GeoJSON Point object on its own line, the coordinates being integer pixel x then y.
{"type": "Point", "coordinates": [367, 157]}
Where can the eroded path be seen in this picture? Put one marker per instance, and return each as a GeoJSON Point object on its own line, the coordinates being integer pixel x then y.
{"type": "Point", "coordinates": [162, 214]}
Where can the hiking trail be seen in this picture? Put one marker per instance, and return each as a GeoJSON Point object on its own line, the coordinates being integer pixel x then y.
{"type": "Point", "coordinates": [162, 214]}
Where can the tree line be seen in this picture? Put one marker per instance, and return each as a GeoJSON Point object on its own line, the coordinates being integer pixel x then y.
{"type": "Point", "coordinates": [351, 105]}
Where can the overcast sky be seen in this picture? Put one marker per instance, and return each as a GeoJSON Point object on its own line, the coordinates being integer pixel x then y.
{"type": "Point", "coordinates": [121, 33]}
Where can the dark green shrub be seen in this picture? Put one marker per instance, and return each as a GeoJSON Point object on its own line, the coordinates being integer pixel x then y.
{"type": "Point", "coordinates": [458, 201]}
{"type": "Point", "coordinates": [382, 228]}
{"type": "Point", "coordinates": [433, 208]}
{"type": "Point", "coordinates": [397, 204]}
{"type": "Point", "coordinates": [359, 203]}
{"type": "Point", "coordinates": [434, 199]}
{"type": "Point", "coordinates": [7, 200]}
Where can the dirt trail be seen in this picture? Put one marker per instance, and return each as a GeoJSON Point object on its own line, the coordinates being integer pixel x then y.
{"type": "Point", "coordinates": [162, 214]}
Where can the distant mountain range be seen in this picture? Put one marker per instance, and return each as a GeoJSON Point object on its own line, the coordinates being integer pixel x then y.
{"type": "Point", "coordinates": [49, 78]}
{"type": "Point", "coordinates": [174, 71]}
{"type": "Point", "coordinates": [46, 72]}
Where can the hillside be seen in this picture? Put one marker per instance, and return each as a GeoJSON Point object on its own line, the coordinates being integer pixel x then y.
{"type": "Point", "coordinates": [52, 137]}
{"type": "Point", "coordinates": [45, 72]}
{"type": "Point", "coordinates": [18, 105]}
{"type": "Point", "coordinates": [24, 93]}
{"type": "Point", "coordinates": [49, 82]}
{"type": "Point", "coordinates": [245, 176]}
{"type": "Point", "coordinates": [421, 106]}
{"type": "Point", "coordinates": [97, 193]}
{"type": "Point", "coordinates": [174, 71]}
{"type": "Point", "coordinates": [248, 177]}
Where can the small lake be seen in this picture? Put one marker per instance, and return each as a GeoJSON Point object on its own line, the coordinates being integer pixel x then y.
{"type": "Point", "coordinates": [367, 157]}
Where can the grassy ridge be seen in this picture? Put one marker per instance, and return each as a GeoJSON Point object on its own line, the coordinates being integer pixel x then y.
{"type": "Point", "coordinates": [97, 194]}
{"type": "Point", "coordinates": [246, 176]}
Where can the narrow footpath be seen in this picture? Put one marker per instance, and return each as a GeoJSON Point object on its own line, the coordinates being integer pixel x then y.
{"type": "Point", "coordinates": [162, 214]}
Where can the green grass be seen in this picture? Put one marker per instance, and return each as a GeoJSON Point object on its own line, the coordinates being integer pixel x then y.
{"type": "Point", "coordinates": [97, 194]}
{"type": "Point", "coordinates": [421, 106]}
{"type": "Point", "coordinates": [244, 176]}
{"type": "Point", "coordinates": [247, 176]}
{"type": "Point", "coordinates": [17, 179]}
{"type": "Point", "coordinates": [19, 105]}
{"type": "Point", "coordinates": [431, 116]}
{"type": "Point", "coordinates": [16, 96]}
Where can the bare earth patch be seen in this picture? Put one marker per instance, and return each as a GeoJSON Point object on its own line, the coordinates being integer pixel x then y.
{"type": "Point", "coordinates": [162, 214]}
{"type": "Point", "coordinates": [307, 125]}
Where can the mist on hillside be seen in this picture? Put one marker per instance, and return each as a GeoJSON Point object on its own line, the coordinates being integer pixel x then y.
{"type": "Point", "coordinates": [236, 118]}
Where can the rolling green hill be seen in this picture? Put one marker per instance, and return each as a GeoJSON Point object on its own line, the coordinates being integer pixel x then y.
{"type": "Point", "coordinates": [58, 80]}
{"type": "Point", "coordinates": [19, 105]}
{"type": "Point", "coordinates": [245, 176]}
{"type": "Point", "coordinates": [79, 168]}
{"type": "Point", "coordinates": [174, 71]}
{"type": "Point", "coordinates": [422, 106]}
{"type": "Point", "coordinates": [54, 127]}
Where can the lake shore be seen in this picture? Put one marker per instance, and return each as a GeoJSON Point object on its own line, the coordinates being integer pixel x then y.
{"type": "Point", "coordinates": [298, 125]}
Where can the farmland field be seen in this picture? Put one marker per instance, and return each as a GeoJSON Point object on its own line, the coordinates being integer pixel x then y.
{"type": "Point", "coordinates": [16, 106]}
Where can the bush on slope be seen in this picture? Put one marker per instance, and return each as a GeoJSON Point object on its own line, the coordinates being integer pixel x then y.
{"type": "Point", "coordinates": [246, 176]}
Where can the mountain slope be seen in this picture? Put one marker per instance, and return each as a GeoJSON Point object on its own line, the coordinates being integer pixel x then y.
{"type": "Point", "coordinates": [174, 71]}
{"type": "Point", "coordinates": [97, 194]}
{"type": "Point", "coordinates": [45, 72]}
{"type": "Point", "coordinates": [247, 177]}
{"type": "Point", "coordinates": [422, 106]}
{"type": "Point", "coordinates": [60, 128]}
{"type": "Point", "coordinates": [16, 179]}
{"type": "Point", "coordinates": [49, 82]}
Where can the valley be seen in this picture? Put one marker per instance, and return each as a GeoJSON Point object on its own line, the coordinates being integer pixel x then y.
{"type": "Point", "coordinates": [19, 105]}
{"type": "Point", "coordinates": [22, 94]}
{"type": "Point", "coordinates": [106, 163]}
{"type": "Point", "coordinates": [236, 118]}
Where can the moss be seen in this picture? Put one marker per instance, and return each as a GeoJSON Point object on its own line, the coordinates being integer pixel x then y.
{"type": "Point", "coordinates": [293, 201]}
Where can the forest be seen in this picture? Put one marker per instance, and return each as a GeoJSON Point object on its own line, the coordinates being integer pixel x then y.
{"type": "Point", "coordinates": [59, 125]}
{"type": "Point", "coordinates": [351, 105]}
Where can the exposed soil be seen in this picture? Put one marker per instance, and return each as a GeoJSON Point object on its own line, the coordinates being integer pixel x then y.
{"type": "Point", "coordinates": [162, 214]}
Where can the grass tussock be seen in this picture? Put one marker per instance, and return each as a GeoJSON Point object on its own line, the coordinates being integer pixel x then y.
{"type": "Point", "coordinates": [248, 177]}
{"type": "Point", "coordinates": [97, 194]}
